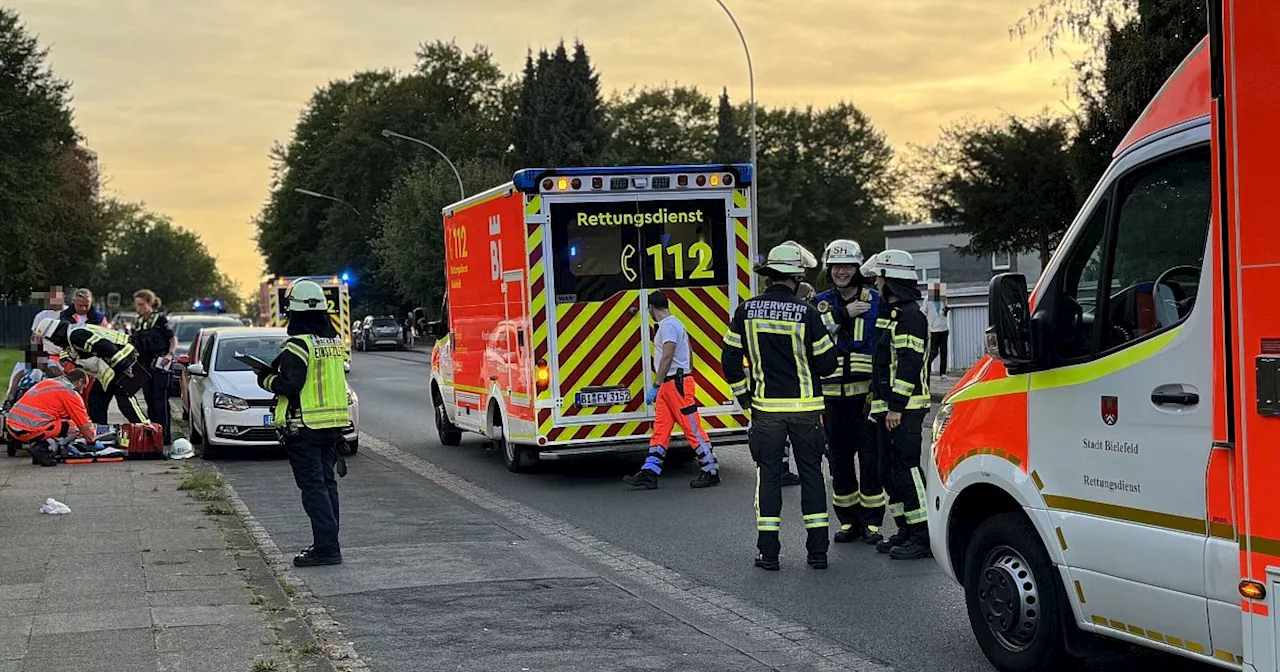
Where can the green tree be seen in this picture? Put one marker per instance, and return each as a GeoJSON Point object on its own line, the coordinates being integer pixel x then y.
{"type": "Point", "coordinates": [661, 126]}
{"type": "Point", "coordinates": [147, 250]}
{"type": "Point", "coordinates": [411, 240]}
{"type": "Point", "coordinates": [730, 146]}
{"type": "Point", "coordinates": [36, 135]}
{"type": "Point", "coordinates": [1006, 185]}
{"type": "Point", "coordinates": [823, 174]}
{"type": "Point", "coordinates": [561, 118]}
{"type": "Point", "coordinates": [458, 101]}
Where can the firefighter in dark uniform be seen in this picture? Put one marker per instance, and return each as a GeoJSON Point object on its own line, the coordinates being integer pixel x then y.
{"type": "Point", "coordinates": [311, 414]}
{"type": "Point", "coordinates": [900, 400]}
{"type": "Point", "coordinates": [849, 310]}
{"type": "Point", "coordinates": [788, 352]}
{"type": "Point", "coordinates": [108, 356]}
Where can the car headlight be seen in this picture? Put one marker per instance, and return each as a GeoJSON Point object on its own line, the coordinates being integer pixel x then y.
{"type": "Point", "coordinates": [228, 402]}
{"type": "Point", "coordinates": [351, 397]}
{"type": "Point", "coordinates": [940, 420]}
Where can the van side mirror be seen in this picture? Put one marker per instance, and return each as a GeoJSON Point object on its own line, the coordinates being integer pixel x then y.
{"type": "Point", "coordinates": [438, 328]}
{"type": "Point", "coordinates": [1009, 317]}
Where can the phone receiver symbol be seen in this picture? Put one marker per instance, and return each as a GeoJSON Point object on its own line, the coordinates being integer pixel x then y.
{"type": "Point", "coordinates": [627, 253]}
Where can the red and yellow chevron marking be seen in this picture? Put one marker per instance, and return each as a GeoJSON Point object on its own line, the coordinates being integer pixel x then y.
{"type": "Point", "coordinates": [638, 428]}
{"type": "Point", "coordinates": [599, 344]}
{"type": "Point", "coordinates": [705, 314]}
{"type": "Point", "coordinates": [537, 285]}
{"type": "Point", "coordinates": [742, 239]}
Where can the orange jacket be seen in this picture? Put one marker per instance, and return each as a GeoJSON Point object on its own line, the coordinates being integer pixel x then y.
{"type": "Point", "coordinates": [51, 400]}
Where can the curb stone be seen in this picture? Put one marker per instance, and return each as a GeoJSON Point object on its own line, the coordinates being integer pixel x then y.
{"type": "Point", "coordinates": [341, 655]}
{"type": "Point", "coordinates": [771, 637]}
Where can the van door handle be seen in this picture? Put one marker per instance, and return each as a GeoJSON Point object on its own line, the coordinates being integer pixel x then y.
{"type": "Point", "coordinates": [1175, 398]}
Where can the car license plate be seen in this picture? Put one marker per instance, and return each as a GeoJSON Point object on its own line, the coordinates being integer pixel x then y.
{"type": "Point", "coordinates": [266, 421]}
{"type": "Point", "coordinates": [617, 397]}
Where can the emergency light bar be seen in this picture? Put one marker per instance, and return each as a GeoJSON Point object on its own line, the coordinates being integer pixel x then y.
{"type": "Point", "coordinates": [631, 178]}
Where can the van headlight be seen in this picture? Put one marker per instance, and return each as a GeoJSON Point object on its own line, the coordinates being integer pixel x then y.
{"type": "Point", "coordinates": [940, 420]}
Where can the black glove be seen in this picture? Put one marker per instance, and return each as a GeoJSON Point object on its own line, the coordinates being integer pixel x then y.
{"type": "Point", "coordinates": [262, 379]}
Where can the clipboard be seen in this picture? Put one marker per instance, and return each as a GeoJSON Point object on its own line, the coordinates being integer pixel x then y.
{"type": "Point", "coordinates": [254, 363]}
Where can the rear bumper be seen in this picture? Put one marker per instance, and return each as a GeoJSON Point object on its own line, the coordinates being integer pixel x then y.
{"type": "Point", "coordinates": [640, 444]}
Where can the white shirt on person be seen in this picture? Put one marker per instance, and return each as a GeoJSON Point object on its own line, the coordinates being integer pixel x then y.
{"type": "Point", "coordinates": [49, 348]}
{"type": "Point", "coordinates": [935, 310]}
{"type": "Point", "coordinates": [671, 330]}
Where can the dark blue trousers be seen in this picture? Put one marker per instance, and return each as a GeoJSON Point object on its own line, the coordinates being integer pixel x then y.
{"type": "Point", "coordinates": [312, 454]}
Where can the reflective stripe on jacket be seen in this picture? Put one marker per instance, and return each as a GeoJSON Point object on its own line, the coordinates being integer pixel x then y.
{"type": "Point", "coordinates": [855, 340]}
{"type": "Point", "coordinates": [899, 379]}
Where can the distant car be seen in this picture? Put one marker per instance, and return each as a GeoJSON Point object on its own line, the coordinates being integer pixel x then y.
{"type": "Point", "coordinates": [378, 332]}
{"type": "Point", "coordinates": [225, 404]}
{"type": "Point", "coordinates": [185, 327]}
{"type": "Point", "coordinates": [125, 321]}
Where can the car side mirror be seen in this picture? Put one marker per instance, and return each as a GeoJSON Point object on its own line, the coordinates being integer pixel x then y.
{"type": "Point", "coordinates": [196, 369]}
{"type": "Point", "coordinates": [1009, 317]}
{"type": "Point", "coordinates": [438, 328]}
{"type": "Point", "coordinates": [184, 359]}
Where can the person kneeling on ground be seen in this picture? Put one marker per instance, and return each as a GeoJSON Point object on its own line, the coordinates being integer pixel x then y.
{"type": "Point", "coordinates": [51, 410]}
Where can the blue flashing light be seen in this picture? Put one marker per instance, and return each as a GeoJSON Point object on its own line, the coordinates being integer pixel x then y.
{"type": "Point", "coordinates": [527, 180]}
{"type": "Point", "coordinates": [217, 304]}
{"type": "Point", "coordinates": [573, 251]}
{"type": "Point", "coordinates": [346, 277]}
{"type": "Point", "coordinates": [195, 304]}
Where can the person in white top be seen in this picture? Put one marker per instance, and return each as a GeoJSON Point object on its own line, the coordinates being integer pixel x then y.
{"type": "Point", "coordinates": [54, 302]}
{"type": "Point", "coordinates": [938, 313]}
{"type": "Point", "coordinates": [674, 401]}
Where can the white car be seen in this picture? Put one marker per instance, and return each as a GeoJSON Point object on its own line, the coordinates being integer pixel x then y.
{"type": "Point", "coordinates": [227, 406]}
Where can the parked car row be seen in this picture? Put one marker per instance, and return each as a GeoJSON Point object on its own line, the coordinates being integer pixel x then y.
{"type": "Point", "coordinates": [220, 394]}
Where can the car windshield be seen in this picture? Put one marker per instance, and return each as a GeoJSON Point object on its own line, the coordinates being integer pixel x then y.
{"type": "Point", "coordinates": [264, 347]}
{"type": "Point", "coordinates": [186, 330]}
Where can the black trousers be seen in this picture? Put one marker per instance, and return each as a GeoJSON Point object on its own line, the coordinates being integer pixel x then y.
{"type": "Point", "coordinates": [100, 400]}
{"type": "Point", "coordinates": [937, 349]}
{"type": "Point", "coordinates": [851, 435]}
{"type": "Point", "coordinates": [900, 468]}
{"type": "Point", "coordinates": [768, 439]}
{"type": "Point", "coordinates": [312, 455]}
{"type": "Point", "coordinates": [156, 394]}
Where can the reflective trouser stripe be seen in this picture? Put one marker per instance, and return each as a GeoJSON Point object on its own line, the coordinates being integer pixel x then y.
{"type": "Point", "coordinates": [816, 520]}
{"type": "Point", "coordinates": [895, 509]}
{"type": "Point", "coordinates": [846, 500]}
{"type": "Point", "coordinates": [920, 514]}
{"type": "Point", "coordinates": [768, 524]}
{"type": "Point", "coordinates": [874, 501]}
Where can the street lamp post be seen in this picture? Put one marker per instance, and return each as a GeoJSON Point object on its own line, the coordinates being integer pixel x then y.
{"type": "Point", "coordinates": [755, 177]}
{"type": "Point", "coordinates": [316, 194]}
{"type": "Point", "coordinates": [462, 193]}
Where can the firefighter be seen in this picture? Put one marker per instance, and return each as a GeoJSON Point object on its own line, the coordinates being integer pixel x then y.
{"type": "Point", "coordinates": [108, 355]}
{"type": "Point", "coordinates": [849, 310]}
{"type": "Point", "coordinates": [900, 400]}
{"type": "Point", "coordinates": [674, 401]}
{"type": "Point", "coordinates": [788, 352]}
{"type": "Point", "coordinates": [311, 413]}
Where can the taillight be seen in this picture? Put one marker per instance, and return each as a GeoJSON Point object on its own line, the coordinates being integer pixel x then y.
{"type": "Point", "coordinates": [542, 376]}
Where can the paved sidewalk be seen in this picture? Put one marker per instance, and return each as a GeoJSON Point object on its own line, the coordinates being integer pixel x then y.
{"type": "Point", "coordinates": [139, 576]}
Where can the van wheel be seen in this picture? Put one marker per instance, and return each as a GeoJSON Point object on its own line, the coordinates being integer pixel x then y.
{"type": "Point", "coordinates": [1012, 599]}
{"type": "Point", "coordinates": [514, 457]}
{"type": "Point", "coordinates": [448, 433]}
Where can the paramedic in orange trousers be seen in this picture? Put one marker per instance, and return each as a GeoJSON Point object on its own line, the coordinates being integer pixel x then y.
{"type": "Point", "coordinates": [674, 401]}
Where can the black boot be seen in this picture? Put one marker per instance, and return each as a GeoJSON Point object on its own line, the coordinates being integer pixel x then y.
{"type": "Point", "coordinates": [642, 479]}
{"type": "Point", "coordinates": [309, 558]}
{"type": "Point", "coordinates": [789, 477]}
{"type": "Point", "coordinates": [818, 560]}
{"type": "Point", "coordinates": [705, 480]}
{"type": "Point", "coordinates": [916, 546]}
{"type": "Point", "coordinates": [768, 563]}
{"type": "Point", "coordinates": [848, 533]}
{"type": "Point", "coordinates": [871, 535]}
{"type": "Point", "coordinates": [899, 538]}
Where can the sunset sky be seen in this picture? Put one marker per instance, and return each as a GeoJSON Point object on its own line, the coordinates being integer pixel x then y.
{"type": "Point", "coordinates": [182, 99]}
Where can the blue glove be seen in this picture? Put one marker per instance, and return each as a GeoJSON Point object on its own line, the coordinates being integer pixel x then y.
{"type": "Point", "coordinates": [653, 395]}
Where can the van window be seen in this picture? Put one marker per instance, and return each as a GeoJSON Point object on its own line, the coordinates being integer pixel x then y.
{"type": "Point", "coordinates": [595, 250]}
{"type": "Point", "coordinates": [1140, 274]}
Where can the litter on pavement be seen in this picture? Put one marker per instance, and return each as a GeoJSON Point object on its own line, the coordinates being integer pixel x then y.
{"type": "Point", "coordinates": [54, 507]}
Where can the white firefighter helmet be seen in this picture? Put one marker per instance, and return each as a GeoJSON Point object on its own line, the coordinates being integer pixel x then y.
{"type": "Point", "coordinates": [305, 295]}
{"type": "Point", "coordinates": [841, 251]}
{"type": "Point", "coordinates": [46, 327]}
{"type": "Point", "coordinates": [181, 450]}
{"type": "Point", "coordinates": [788, 258]}
{"type": "Point", "coordinates": [891, 264]}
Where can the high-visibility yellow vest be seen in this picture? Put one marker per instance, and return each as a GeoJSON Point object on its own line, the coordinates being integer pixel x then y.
{"type": "Point", "coordinates": [323, 399]}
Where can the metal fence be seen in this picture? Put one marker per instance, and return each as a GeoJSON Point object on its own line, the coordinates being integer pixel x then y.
{"type": "Point", "coordinates": [968, 341]}
{"type": "Point", "coordinates": [15, 325]}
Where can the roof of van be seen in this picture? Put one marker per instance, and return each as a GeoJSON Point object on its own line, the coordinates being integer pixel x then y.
{"type": "Point", "coordinates": [1187, 95]}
